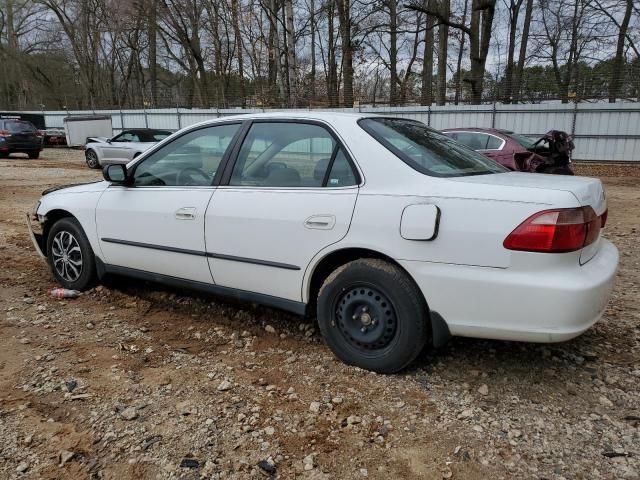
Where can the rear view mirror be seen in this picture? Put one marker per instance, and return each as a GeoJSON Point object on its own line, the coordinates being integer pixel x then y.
{"type": "Point", "coordinates": [116, 173]}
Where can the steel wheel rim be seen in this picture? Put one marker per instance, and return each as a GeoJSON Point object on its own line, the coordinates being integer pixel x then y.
{"type": "Point", "coordinates": [66, 256]}
{"type": "Point", "coordinates": [366, 318]}
{"type": "Point", "coordinates": [92, 159]}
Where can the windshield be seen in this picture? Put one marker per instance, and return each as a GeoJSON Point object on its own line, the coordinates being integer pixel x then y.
{"type": "Point", "coordinates": [522, 140]}
{"type": "Point", "coordinates": [427, 150]}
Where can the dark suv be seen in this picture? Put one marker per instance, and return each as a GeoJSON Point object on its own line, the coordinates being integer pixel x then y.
{"type": "Point", "coordinates": [19, 136]}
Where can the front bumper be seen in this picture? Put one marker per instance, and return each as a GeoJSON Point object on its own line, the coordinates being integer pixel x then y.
{"type": "Point", "coordinates": [35, 232]}
{"type": "Point", "coordinates": [507, 304]}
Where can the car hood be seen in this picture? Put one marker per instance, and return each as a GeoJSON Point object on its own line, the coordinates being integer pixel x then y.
{"type": "Point", "coordinates": [587, 190]}
{"type": "Point", "coordinates": [95, 186]}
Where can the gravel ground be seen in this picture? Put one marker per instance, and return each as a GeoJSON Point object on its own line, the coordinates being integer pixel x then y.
{"type": "Point", "coordinates": [135, 381]}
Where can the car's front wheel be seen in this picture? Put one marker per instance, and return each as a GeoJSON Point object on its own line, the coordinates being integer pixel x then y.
{"type": "Point", "coordinates": [372, 315]}
{"type": "Point", "coordinates": [70, 255]}
{"type": "Point", "coordinates": [92, 159]}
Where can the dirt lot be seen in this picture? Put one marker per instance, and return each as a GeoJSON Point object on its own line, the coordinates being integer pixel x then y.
{"type": "Point", "coordinates": [134, 381]}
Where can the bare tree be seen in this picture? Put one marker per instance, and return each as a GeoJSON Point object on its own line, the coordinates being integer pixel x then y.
{"type": "Point", "coordinates": [426, 96]}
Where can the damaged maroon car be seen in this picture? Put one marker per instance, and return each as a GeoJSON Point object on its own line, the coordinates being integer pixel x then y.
{"type": "Point", "coordinates": [549, 154]}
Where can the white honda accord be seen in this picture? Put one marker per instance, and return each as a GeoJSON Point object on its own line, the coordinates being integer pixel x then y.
{"type": "Point", "coordinates": [394, 236]}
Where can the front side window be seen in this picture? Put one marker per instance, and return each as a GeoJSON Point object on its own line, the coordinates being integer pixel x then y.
{"type": "Point", "coordinates": [288, 154]}
{"type": "Point", "coordinates": [427, 150]}
{"type": "Point", "coordinates": [190, 160]}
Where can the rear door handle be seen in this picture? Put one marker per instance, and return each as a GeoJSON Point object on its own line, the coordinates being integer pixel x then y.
{"type": "Point", "coordinates": [186, 213]}
{"type": "Point", "coordinates": [320, 222]}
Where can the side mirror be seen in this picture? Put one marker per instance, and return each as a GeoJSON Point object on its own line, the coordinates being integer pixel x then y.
{"type": "Point", "coordinates": [116, 174]}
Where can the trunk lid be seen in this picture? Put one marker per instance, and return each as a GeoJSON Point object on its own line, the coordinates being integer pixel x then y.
{"type": "Point", "coordinates": [587, 191]}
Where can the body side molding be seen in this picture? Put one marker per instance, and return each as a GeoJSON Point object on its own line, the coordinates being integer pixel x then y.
{"type": "Point", "coordinates": [199, 253]}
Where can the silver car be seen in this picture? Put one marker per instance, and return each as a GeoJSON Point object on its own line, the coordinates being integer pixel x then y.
{"type": "Point", "coordinates": [124, 147]}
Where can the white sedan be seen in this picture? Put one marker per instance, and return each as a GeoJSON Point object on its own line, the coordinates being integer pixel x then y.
{"type": "Point", "coordinates": [394, 236]}
{"type": "Point", "coordinates": [127, 145]}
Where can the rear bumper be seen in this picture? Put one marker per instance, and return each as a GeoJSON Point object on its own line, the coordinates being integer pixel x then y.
{"type": "Point", "coordinates": [531, 306]}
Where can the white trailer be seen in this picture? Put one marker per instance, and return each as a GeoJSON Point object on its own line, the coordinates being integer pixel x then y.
{"type": "Point", "coordinates": [79, 128]}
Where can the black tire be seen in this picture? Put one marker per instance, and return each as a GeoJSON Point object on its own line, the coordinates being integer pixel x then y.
{"type": "Point", "coordinates": [4, 154]}
{"type": "Point", "coordinates": [34, 155]}
{"type": "Point", "coordinates": [395, 320]}
{"type": "Point", "coordinates": [91, 157]}
{"type": "Point", "coordinates": [64, 237]}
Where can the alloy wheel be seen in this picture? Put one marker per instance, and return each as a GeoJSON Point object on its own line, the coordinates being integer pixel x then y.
{"type": "Point", "coordinates": [66, 256]}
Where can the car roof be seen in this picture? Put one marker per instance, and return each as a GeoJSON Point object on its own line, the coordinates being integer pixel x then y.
{"type": "Point", "coordinates": [145, 130]}
{"type": "Point", "coordinates": [306, 114]}
{"type": "Point", "coordinates": [346, 119]}
{"type": "Point", "coordinates": [478, 129]}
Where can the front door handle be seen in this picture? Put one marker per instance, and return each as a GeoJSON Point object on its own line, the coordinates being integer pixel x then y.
{"type": "Point", "coordinates": [320, 222]}
{"type": "Point", "coordinates": [186, 213]}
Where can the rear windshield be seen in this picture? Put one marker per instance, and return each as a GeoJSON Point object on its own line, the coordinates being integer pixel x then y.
{"type": "Point", "coordinates": [522, 140]}
{"type": "Point", "coordinates": [19, 126]}
{"type": "Point", "coordinates": [154, 136]}
{"type": "Point", "coordinates": [427, 150]}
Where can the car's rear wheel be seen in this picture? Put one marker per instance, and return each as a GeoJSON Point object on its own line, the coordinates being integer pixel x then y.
{"type": "Point", "coordinates": [34, 155]}
{"type": "Point", "coordinates": [372, 315]}
{"type": "Point", "coordinates": [70, 255]}
{"type": "Point", "coordinates": [92, 159]}
{"type": "Point", "coordinates": [4, 154]}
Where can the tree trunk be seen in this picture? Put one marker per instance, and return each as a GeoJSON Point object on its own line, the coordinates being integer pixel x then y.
{"type": "Point", "coordinates": [393, 52]}
{"type": "Point", "coordinates": [272, 50]}
{"type": "Point", "coordinates": [312, 76]}
{"type": "Point", "coordinates": [443, 39]}
{"type": "Point", "coordinates": [291, 53]}
{"type": "Point", "coordinates": [153, 57]}
{"type": "Point", "coordinates": [617, 74]}
{"type": "Point", "coordinates": [522, 56]}
{"type": "Point", "coordinates": [426, 95]}
{"type": "Point", "coordinates": [332, 74]}
{"type": "Point", "coordinates": [479, 39]}
{"type": "Point", "coordinates": [235, 12]}
{"type": "Point", "coordinates": [460, 54]}
{"type": "Point", "coordinates": [514, 13]}
{"type": "Point", "coordinates": [344, 17]}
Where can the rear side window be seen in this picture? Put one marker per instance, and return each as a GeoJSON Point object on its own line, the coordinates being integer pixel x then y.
{"type": "Point", "coordinates": [19, 126]}
{"type": "Point", "coordinates": [426, 150]}
{"type": "Point", "coordinates": [288, 154]}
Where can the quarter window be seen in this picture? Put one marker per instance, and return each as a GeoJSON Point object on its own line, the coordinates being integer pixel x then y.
{"type": "Point", "coordinates": [190, 160]}
{"type": "Point", "coordinates": [286, 154]}
{"type": "Point", "coordinates": [493, 143]}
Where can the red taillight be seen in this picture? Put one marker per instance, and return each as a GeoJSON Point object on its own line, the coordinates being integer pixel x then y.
{"type": "Point", "coordinates": [5, 133]}
{"type": "Point", "coordinates": [556, 231]}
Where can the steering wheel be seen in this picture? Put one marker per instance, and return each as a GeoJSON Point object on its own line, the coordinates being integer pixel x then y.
{"type": "Point", "coordinates": [185, 177]}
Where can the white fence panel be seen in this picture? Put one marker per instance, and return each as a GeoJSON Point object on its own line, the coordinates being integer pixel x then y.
{"type": "Point", "coordinates": [603, 131]}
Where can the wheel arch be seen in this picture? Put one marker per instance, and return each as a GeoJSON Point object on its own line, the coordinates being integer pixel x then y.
{"type": "Point", "coordinates": [334, 259]}
{"type": "Point", "coordinates": [438, 327]}
{"type": "Point", "coordinates": [52, 217]}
